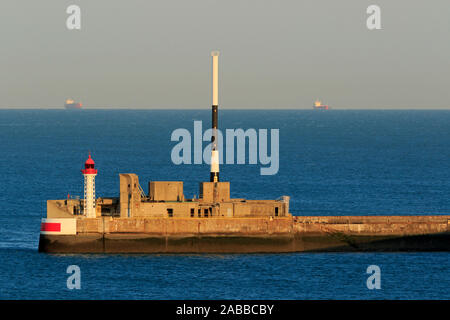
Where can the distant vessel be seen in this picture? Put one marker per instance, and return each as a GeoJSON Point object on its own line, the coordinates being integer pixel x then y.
{"type": "Point", "coordinates": [318, 105]}
{"type": "Point", "coordinates": [70, 104]}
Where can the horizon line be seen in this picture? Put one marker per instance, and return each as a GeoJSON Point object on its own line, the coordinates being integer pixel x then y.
{"type": "Point", "coordinates": [226, 108]}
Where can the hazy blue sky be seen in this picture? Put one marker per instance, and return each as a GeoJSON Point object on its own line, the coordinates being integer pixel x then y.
{"type": "Point", "coordinates": [274, 54]}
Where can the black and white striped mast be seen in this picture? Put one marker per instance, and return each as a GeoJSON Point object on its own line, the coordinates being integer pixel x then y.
{"type": "Point", "coordinates": [214, 175]}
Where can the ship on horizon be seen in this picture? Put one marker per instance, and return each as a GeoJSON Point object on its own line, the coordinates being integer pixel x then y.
{"type": "Point", "coordinates": [318, 105]}
{"type": "Point", "coordinates": [71, 104]}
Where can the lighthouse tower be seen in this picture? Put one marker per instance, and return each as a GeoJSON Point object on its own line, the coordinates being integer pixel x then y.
{"type": "Point", "coordinates": [89, 174]}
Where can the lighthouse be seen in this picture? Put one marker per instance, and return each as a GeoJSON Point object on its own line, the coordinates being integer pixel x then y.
{"type": "Point", "coordinates": [89, 174]}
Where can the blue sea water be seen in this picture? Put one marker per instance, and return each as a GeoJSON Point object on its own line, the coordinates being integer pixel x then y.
{"type": "Point", "coordinates": [339, 162]}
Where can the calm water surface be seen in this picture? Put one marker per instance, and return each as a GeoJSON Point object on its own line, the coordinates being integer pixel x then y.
{"type": "Point", "coordinates": [336, 162]}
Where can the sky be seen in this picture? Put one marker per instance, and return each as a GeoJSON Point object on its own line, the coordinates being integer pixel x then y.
{"type": "Point", "coordinates": [274, 54]}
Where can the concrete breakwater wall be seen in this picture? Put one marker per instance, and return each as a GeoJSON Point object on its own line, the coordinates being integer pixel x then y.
{"type": "Point", "coordinates": [186, 226]}
{"type": "Point", "coordinates": [373, 225]}
{"type": "Point", "coordinates": [246, 235]}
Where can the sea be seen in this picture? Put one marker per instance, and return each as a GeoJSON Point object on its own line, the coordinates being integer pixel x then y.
{"type": "Point", "coordinates": [335, 162]}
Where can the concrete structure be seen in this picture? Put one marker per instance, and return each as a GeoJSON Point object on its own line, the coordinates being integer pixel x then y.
{"type": "Point", "coordinates": [164, 221]}
{"type": "Point", "coordinates": [108, 234]}
{"type": "Point", "coordinates": [166, 200]}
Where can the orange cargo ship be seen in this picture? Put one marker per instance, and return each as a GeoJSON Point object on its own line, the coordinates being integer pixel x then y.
{"type": "Point", "coordinates": [71, 104]}
{"type": "Point", "coordinates": [318, 105]}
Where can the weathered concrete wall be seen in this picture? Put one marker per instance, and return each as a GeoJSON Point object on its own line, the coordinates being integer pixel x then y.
{"type": "Point", "coordinates": [246, 235]}
{"type": "Point", "coordinates": [130, 196]}
{"type": "Point", "coordinates": [365, 225]}
{"type": "Point", "coordinates": [59, 209]}
{"type": "Point", "coordinates": [373, 225]}
{"type": "Point", "coordinates": [206, 193]}
{"type": "Point", "coordinates": [187, 226]}
{"type": "Point", "coordinates": [166, 190]}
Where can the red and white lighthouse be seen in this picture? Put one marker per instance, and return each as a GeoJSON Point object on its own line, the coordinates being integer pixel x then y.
{"type": "Point", "coordinates": [89, 174]}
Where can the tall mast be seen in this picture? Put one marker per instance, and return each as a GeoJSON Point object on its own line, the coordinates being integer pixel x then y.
{"type": "Point", "coordinates": [214, 175]}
